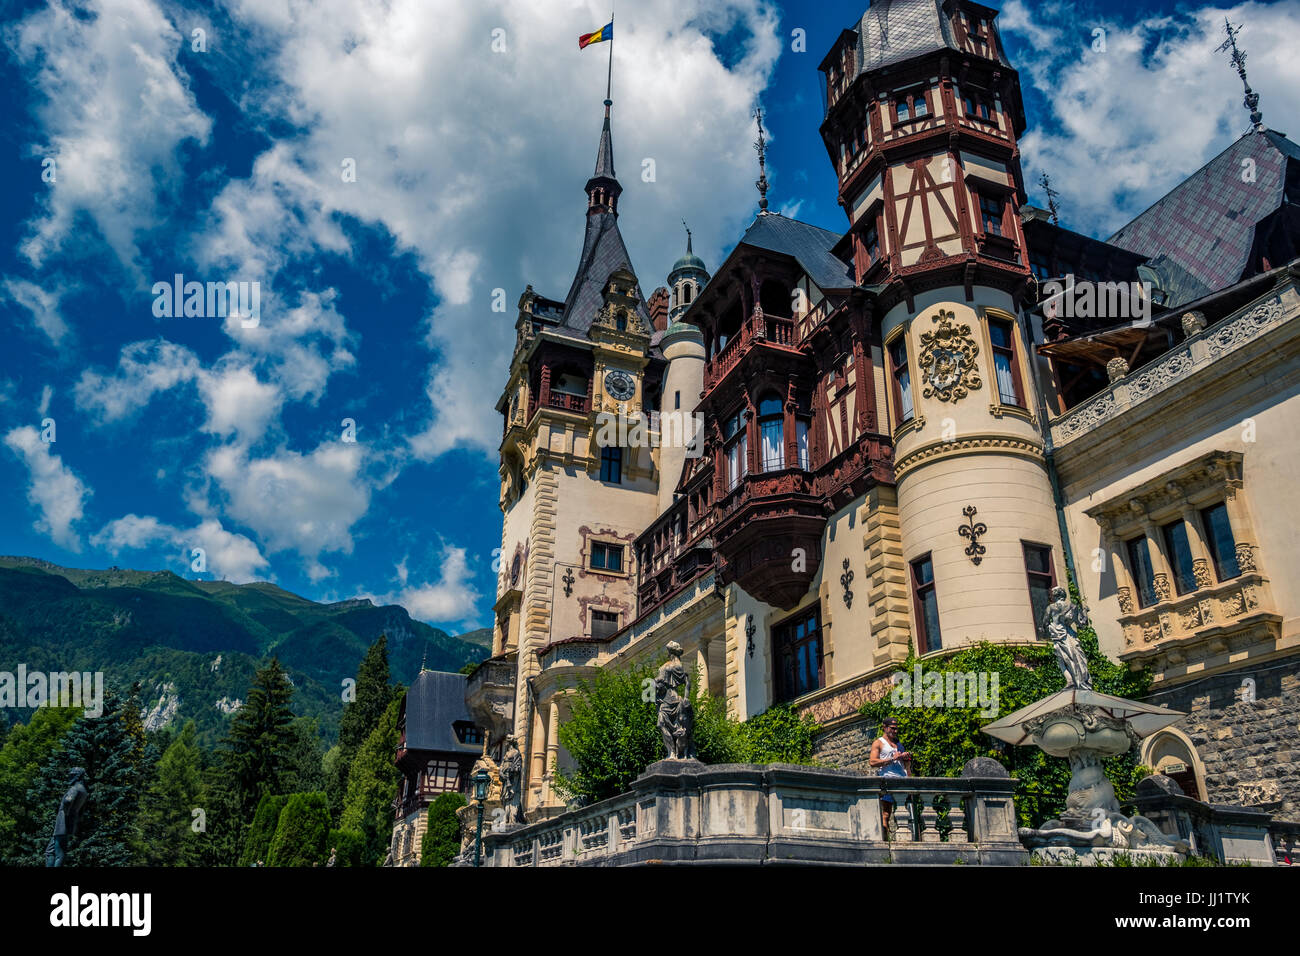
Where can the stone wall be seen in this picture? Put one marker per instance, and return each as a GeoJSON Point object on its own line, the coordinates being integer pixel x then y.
{"type": "Point", "coordinates": [1250, 750]}
{"type": "Point", "coordinates": [847, 745]}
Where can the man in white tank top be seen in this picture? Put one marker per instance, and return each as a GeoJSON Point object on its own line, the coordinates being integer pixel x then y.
{"type": "Point", "coordinates": [890, 760]}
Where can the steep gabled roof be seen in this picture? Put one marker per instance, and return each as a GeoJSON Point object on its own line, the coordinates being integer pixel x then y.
{"type": "Point", "coordinates": [435, 701]}
{"type": "Point", "coordinates": [809, 245]}
{"type": "Point", "coordinates": [893, 31]}
{"type": "Point", "coordinates": [603, 252]}
{"type": "Point", "coordinates": [1202, 232]}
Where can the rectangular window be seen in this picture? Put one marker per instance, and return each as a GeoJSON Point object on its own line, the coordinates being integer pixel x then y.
{"type": "Point", "coordinates": [677, 400]}
{"type": "Point", "coordinates": [1003, 336]}
{"type": "Point", "coordinates": [797, 656]}
{"type": "Point", "coordinates": [902, 112]}
{"type": "Point", "coordinates": [919, 106]}
{"type": "Point", "coordinates": [606, 557]}
{"type": "Point", "coordinates": [611, 465]}
{"type": "Point", "coordinates": [1218, 536]}
{"type": "Point", "coordinates": [1042, 578]}
{"type": "Point", "coordinates": [801, 441]}
{"type": "Point", "coordinates": [871, 241]}
{"type": "Point", "coordinates": [737, 450]}
{"type": "Point", "coordinates": [604, 624]}
{"type": "Point", "coordinates": [991, 209]}
{"type": "Point", "coordinates": [772, 444]}
{"type": "Point", "coordinates": [976, 106]}
{"type": "Point", "coordinates": [925, 605]}
{"type": "Point", "coordinates": [902, 379]}
{"type": "Point", "coordinates": [1180, 555]}
{"type": "Point", "coordinates": [1144, 579]}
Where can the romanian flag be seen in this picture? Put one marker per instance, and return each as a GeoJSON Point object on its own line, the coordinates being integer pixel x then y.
{"type": "Point", "coordinates": [604, 33]}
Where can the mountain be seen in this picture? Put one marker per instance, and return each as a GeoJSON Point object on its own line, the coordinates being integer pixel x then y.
{"type": "Point", "coordinates": [194, 645]}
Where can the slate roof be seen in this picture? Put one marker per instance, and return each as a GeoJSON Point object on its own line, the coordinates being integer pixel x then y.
{"type": "Point", "coordinates": [603, 252]}
{"type": "Point", "coordinates": [1199, 236]}
{"type": "Point", "coordinates": [435, 701]}
{"type": "Point", "coordinates": [893, 31]}
{"type": "Point", "coordinates": [809, 245]}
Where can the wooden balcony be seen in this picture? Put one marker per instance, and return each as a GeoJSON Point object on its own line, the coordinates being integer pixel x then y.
{"type": "Point", "coordinates": [759, 330]}
{"type": "Point", "coordinates": [568, 402]}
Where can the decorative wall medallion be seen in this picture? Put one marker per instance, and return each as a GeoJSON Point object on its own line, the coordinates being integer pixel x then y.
{"type": "Point", "coordinates": [973, 529]}
{"type": "Point", "coordinates": [845, 580]}
{"type": "Point", "coordinates": [515, 567]}
{"type": "Point", "coordinates": [568, 580]}
{"type": "Point", "coordinates": [750, 628]}
{"type": "Point", "coordinates": [948, 360]}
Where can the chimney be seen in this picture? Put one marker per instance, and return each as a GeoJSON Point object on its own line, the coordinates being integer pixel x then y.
{"type": "Point", "coordinates": [659, 308]}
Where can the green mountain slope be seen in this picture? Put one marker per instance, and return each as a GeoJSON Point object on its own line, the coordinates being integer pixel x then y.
{"type": "Point", "coordinates": [193, 645]}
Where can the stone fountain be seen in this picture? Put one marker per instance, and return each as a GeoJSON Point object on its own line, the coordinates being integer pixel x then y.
{"type": "Point", "coordinates": [1086, 727]}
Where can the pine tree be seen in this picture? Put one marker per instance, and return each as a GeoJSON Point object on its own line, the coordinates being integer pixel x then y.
{"type": "Point", "coordinates": [167, 817]}
{"type": "Point", "coordinates": [258, 744]}
{"type": "Point", "coordinates": [257, 845]}
{"type": "Point", "coordinates": [106, 831]}
{"type": "Point", "coordinates": [360, 717]}
{"type": "Point", "coordinates": [441, 840]}
{"type": "Point", "coordinates": [372, 786]}
{"type": "Point", "coordinates": [26, 748]}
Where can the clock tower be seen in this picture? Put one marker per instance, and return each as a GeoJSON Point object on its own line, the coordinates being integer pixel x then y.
{"type": "Point", "coordinates": [579, 475]}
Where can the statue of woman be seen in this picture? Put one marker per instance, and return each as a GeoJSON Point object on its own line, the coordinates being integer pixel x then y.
{"type": "Point", "coordinates": [1062, 621]}
{"type": "Point", "coordinates": [676, 720]}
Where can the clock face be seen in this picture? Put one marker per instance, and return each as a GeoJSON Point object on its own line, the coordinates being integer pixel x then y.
{"type": "Point", "coordinates": [620, 385]}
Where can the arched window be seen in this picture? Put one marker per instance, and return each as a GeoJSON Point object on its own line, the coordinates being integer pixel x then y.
{"type": "Point", "coordinates": [687, 290]}
{"type": "Point", "coordinates": [771, 430]}
{"type": "Point", "coordinates": [737, 452]}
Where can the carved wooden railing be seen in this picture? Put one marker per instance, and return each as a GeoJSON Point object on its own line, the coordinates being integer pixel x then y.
{"type": "Point", "coordinates": [759, 328]}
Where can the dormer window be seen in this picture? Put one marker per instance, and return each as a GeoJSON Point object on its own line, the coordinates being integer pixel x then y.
{"type": "Point", "coordinates": [977, 107]}
{"type": "Point", "coordinates": [911, 106]}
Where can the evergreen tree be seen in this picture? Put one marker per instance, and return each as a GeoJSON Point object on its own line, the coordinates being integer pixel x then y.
{"type": "Point", "coordinates": [304, 772]}
{"type": "Point", "coordinates": [106, 831]}
{"type": "Point", "coordinates": [350, 845]}
{"type": "Point", "coordinates": [25, 749]}
{"type": "Point", "coordinates": [259, 741]}
{"type": "Point", "coordinates": [441, 840]}
{"type": "Point", "coordinates": [257, 845]}
{"type": "Point", "coordinates": [167, 818]}
{"type": "Point", "coordinates": [302, 832]}
{"type": "Point", "coordinates": [372, 786]}
{"type": "Point", "coordinates": [373, 694]}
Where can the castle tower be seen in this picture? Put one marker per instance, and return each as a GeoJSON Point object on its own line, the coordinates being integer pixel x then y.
{"type": "Point", "coordinates": [683, 346]}
{"type": "Point", "coordinates": [922, 126]}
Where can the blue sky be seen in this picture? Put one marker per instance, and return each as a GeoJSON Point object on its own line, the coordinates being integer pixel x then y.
{"type": "Point", "coordinates": [381, 170]}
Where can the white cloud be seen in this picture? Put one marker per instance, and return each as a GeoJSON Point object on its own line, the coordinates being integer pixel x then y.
{"type": "Point", "coordinates": [228, 556]}
{"type": "Point", "coordinates": [238, 403]}
{"type": "Point", "coordinates": [451, 598]}
{"type": "Point", "coordinates": [144, 369]}
{"type": "Point", "coordinates": [44, 307]}
{"type": "Point", "coordinates": [114, 106]}
{"type": "Point", "coordinates": [54, 490]}
{"type": "Point", "coordinates": [1128, 124]}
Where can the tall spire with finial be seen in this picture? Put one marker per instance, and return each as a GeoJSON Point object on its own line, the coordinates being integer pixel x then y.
{"type": "Point", "coordinates": [424, 661]}
{"type": "Point", "coordinates": [761, 146]}
{"type": "Point", "coordinates": [1251, 100]}
{"type": "Point", "coordinates": [1046, 182]}
{"type": "Point", "coordinates": [688, 237]}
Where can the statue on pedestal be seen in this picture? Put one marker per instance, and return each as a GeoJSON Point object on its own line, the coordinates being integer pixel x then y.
{"type": "Point", "coordinates": [512, 774]}
{"type": "Point", "coordinates": [676, 719]}
{"type": "Point", "coordinates": [65, 821]}
{"type": "Point", "coordinates": [1062, 621]}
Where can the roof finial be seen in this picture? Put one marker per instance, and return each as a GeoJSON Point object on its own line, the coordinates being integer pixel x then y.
{"type": "Point", "coordinates": [424, 660]}
{"type": "Point", "coordinates": [761, 146]}
{"type": "Point", "coordinates": [1251, 100]}
{"type": "Point", "coordinates": [1046, 182]}
{"type": "Point", "coordinates": [688, 236]}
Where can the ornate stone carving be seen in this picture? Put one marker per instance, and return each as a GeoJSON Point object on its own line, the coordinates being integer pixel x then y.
{"type": "Point", "coordinates": [1161, 583]}
{"type": "Point", "coordinates": [1116, 369]}
{"type": "Point", "coordinates": [1246, 557]}
{"type": "Point", "coordinates": [1193, 323]}
{"type": "Point", "coordinates": [1245, 327]}
{"type": "Point", "coordinates": [1125, 600]}
{"type": "Point", "coordinates": [973, 529]}
{"type": "Point", "coordinates": [1190, 617]}
{"type": "Point", "coordinates": [1201, 573]}
{"type": "Point", "coordinates": [1233, 604]}
{"type": "Point", "coordinates": [512, 772]}
{"type": "Point", "coordinates": [948, 360]}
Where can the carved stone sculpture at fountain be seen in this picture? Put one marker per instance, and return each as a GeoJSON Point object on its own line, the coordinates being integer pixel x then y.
{"type": "Point", "coordinates": [1086, 727]}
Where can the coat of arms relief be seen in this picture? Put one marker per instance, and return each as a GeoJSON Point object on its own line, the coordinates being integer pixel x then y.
{"type": "Point", "coordinates": [948, 360]}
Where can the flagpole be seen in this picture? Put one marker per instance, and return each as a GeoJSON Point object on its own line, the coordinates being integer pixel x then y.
{"type": "Point", "coordinates": [609, 75]}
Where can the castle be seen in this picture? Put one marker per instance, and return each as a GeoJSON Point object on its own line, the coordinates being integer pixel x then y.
{"type": "Point", "coordinates": [911, 432]}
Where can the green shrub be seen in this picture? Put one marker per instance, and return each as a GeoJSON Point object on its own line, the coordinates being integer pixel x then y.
{"type": "Point", "coordinates": [302, 833]}
{"type": "Point", "coordinates": [257, 845]}
{"type": "Point", "coordinates": [441, 840]}
{"type": "Point", "coordinates": [350, 845]}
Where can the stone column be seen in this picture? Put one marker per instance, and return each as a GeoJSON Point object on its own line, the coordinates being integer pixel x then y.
{"type": "Point", "coordinates": [702, 663]}
{"type": "Point", "coordinates": [1164, 584]}
{"type": "Point", "coordinates": [1200, 551]}
{"type": "Point", "coordinates": [552, 742]}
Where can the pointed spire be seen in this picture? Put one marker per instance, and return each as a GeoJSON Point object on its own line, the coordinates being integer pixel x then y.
{"type": "Point", "coordinates": [761, 146]}
{"type": "Point", "coordinates": [424, 662]}
{"type": "Point", "coordinates": [688, 237]}
{"type": "Point", "coordinates": [605, 155]}
{"type": "Point", "coordinates": [1251, 100]}
{"type": "Point", "coordinates": [1052, 195]}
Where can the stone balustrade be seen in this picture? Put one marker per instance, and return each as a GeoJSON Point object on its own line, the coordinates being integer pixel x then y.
{"type": "Point", "coordinates": [750, 814]}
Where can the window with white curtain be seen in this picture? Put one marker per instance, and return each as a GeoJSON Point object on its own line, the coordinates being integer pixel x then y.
{"type": "Point", "coordinates": [771, 427]}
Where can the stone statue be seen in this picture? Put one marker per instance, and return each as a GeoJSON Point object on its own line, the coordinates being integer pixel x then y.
{"type": "Point", "coordinates": [676, 719]}
{"type": "Point", "coordinates": [512, 775]}
{"type": "Point", "coordinates": [65, 822]}
{"type": "Point", "coordinates": [334, 857]}
{"type": "Point", "coordinates": [1062, 621]}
